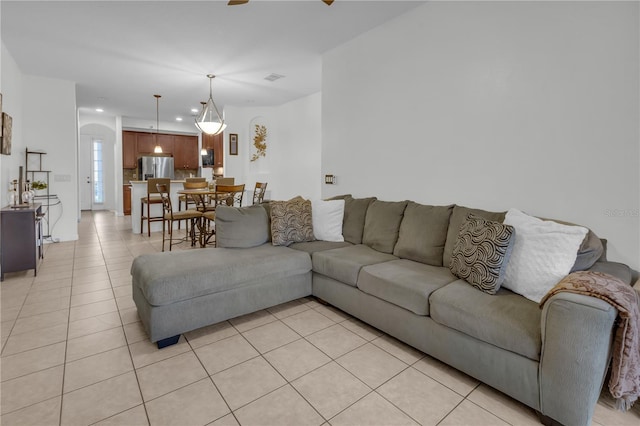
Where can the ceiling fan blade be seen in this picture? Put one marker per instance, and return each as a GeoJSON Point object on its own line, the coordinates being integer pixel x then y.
{"type": "Point", "coordinates": [235, 2]}
{"type": "Point", "coordinates": [328, 2]}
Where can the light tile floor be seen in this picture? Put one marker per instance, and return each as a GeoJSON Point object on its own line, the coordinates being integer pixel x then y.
{"type": "Point", "coordinates": [75, 353]}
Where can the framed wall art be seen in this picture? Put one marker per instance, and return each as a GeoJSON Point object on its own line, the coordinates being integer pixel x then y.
{"type": "Point", "coordinates": [6, 133]}
{"type": "Point", "coordinates": [233, 144]}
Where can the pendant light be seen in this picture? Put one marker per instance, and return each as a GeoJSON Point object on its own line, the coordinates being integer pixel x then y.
{"type": "Point", "coordinates": [158, 148]}
{"type": "Point", "coordinates": [209, 120]}
{"type": "Point", "coordinates": [203, 151]}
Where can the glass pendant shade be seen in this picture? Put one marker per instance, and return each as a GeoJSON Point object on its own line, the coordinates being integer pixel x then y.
{"type": "Point", "coordinates": [209, 120]}
{"type": "Point", "coordinates": [157, 149]}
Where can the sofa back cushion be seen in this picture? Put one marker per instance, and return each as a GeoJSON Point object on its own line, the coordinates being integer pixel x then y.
{"type": "Point", "coordinates": [458, 216]}
{"type": "Point", "coordinates": [423, 232]}
{"type": "Point", "coordinates": [382, 225]}
{"type": "Point", "coordinates": [241, 227]}
{"type": "Point", "coordinates": [355, 211]}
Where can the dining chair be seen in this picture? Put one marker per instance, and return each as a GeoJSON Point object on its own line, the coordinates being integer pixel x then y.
{"type": "Point", "coordinates": [225, 181]}
{"type": "Point", "coordinates": [185, 199]}
{"type": "Point", "coordinates": [258, 192]}
{"type": "Point", "coordinates": [188, 199]}
{"type": "Point", "coordinates": [227, 195]}
{"type": "Point", "coordinates": [169, 216]}
{"type": "Point", "coordinates": [152, 197]}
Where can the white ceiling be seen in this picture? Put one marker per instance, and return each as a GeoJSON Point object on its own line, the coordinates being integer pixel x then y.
{"type": "Point", "coordinates": [120, 53]}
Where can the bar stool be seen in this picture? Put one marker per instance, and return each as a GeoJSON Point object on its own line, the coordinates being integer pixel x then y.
{"type": "Point", "coordinates": [153, 197]}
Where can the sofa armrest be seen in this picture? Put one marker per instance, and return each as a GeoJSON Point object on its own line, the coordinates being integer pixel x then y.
{"type": "Point", "coordinates": [577, 333]}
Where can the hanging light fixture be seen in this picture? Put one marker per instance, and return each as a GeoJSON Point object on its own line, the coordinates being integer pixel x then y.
{"type": "Point", "coordinates": [209, 120]}
{"type": "Point", "coordinates": [158, 148]}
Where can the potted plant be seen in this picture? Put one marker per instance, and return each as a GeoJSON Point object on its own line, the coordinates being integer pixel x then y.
{"type": "Point", "coordinates": [38, 186]}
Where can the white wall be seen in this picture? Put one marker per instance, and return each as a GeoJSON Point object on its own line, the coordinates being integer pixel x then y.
{"type": "Point", "coordinates": [292, 164]}
{"type": "Point", "coordinates": [11, 85]}
{"type": "Point", "coordinates": [51, 126]}
{"type": "Point", "coordinates": [532, 105]}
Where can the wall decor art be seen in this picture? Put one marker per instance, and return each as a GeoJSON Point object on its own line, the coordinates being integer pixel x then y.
{"type": "Point", "coordinates": [259, 141]}
{"type": "Point", "coordinates": [6, 133]}
{"type": "Point", "coordinates": [233, 144]}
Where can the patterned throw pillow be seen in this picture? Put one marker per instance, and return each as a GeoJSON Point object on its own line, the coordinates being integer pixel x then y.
{"type": "Point", "coordinates": [481, 253]}
{"type": "Point", "coordinates": [291, 222]}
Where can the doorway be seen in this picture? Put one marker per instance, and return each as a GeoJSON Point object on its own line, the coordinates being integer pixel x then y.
{"type": "Point", "coordinates": [92, 195]}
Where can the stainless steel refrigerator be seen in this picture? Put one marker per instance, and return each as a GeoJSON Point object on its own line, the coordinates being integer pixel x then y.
{"type": "Point", "coordinates": [155, 167]}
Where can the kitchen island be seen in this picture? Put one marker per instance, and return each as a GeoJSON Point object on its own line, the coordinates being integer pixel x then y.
{"type": "Point", "coordinates": [139, 190]}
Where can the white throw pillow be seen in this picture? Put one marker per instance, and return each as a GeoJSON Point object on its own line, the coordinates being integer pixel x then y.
{"type": "Point", "coordinates": [543, 253]}
{"type": "Point", "coordinates": [327, 219]}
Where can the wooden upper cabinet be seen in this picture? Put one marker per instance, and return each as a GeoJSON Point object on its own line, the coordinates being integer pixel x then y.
{"type": "Point", "coordinates": [146, 142]}
{"type": "Point", "coordinates": [215, 142]}
{"type": "Point", "coordinates": [129, 150]}
{"type": "Point", "coordinates": [185, 152]}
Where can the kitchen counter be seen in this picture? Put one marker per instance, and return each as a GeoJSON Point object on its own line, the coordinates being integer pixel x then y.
{"type": "Point", "coordinates": [139, 190]}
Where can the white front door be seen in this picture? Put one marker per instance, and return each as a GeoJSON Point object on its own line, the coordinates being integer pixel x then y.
{"type": "Point", "coordinates": [86, 193]}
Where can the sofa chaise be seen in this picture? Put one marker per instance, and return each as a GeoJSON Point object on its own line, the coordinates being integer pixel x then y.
{"type": "Point", "coordinates": [392, 272]}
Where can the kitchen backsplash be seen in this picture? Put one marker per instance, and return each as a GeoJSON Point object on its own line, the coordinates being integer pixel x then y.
{"type": "Point", "coordinates": [180, 174]}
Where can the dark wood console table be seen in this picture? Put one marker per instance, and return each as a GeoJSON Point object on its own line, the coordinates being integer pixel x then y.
{"type": "Point", "coordinates": [21, 238]}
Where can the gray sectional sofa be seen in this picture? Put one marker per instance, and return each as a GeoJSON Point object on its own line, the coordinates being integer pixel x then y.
{"type": "Point", "coordinates": [392, 273]}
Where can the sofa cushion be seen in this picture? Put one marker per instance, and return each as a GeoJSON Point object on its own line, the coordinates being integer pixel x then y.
{"type": "Point", "coordinates": [315, 246]}
{"type": "Point", "coordinates": [382, 224]}
{"type": "Point", "coordinates": [327, 216]}
{"type": "Point", "coordinates": [458, 216]}
{"type": "Point", "coordinates": [423, 232]}
{"type": "Point", "coordinates": [291, 221]}
{"type": "Point", "coordinates": [404, 282]}
{"type": "Point", "coordinates": [543, 253]}
{"type": "Point", "coordinates": [344, 264]}
{"type": "Point", "coordinates": [169, 277]}
{"type": "Point", "coordinates": [506, 320]}
{"type": "Point", "coordinates": [355, 211]}
{"type": "Point", "coordinates": [482, 253]}
{"type": "Point", "coordinates": [241, 227]}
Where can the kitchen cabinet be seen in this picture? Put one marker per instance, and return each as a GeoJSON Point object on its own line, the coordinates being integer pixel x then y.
{"type": "Point", "coordinates": [129, 150]}
{"type": "Point", "coordinates": [126, 199]}
{"type": "Point", "coordinates": [185, 152]}
{"type": "Point", "coordinates": [215, 142]}
{"type": "Point", "coordinates": [146, 143]}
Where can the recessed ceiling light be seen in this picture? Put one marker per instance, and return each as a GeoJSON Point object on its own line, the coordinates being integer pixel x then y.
{"type": "Point", "coordinates": [99, 110]}
{"type": "Point", "coordinates": [178, 118]}
{"type": "Point", "coordinates": [194, 109]}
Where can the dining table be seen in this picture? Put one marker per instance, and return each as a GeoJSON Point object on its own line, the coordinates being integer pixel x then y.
{"type": "Point", "coordinates": [202, 197]}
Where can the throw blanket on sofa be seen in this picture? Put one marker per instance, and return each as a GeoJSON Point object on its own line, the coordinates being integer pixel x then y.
{"type": "Point", "coordinates": [624, 383]}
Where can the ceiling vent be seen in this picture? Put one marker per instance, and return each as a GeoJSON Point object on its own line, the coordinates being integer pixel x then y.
{"type": "Point", "coordinates": [274, 77]}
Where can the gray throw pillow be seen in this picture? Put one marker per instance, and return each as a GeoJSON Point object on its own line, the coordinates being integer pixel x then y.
{"type": "Point", "coordinates": [423, 232]}
{"type": "Point", "coordinates": [458, 216]}
{"type": "Point", "coordinates": [355, 212]}
{"type": "Point", "coordinates": [291, 222]}
{"type": "Point", "coordinates": [481, 253]}
{"type": "Point", "coordinates": [382, 225]}
{"type": "Point", "coordinates": [241, 227]}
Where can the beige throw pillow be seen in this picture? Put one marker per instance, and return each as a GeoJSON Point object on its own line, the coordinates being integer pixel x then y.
{"type": "Point", "coordinates": [291, 221]}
